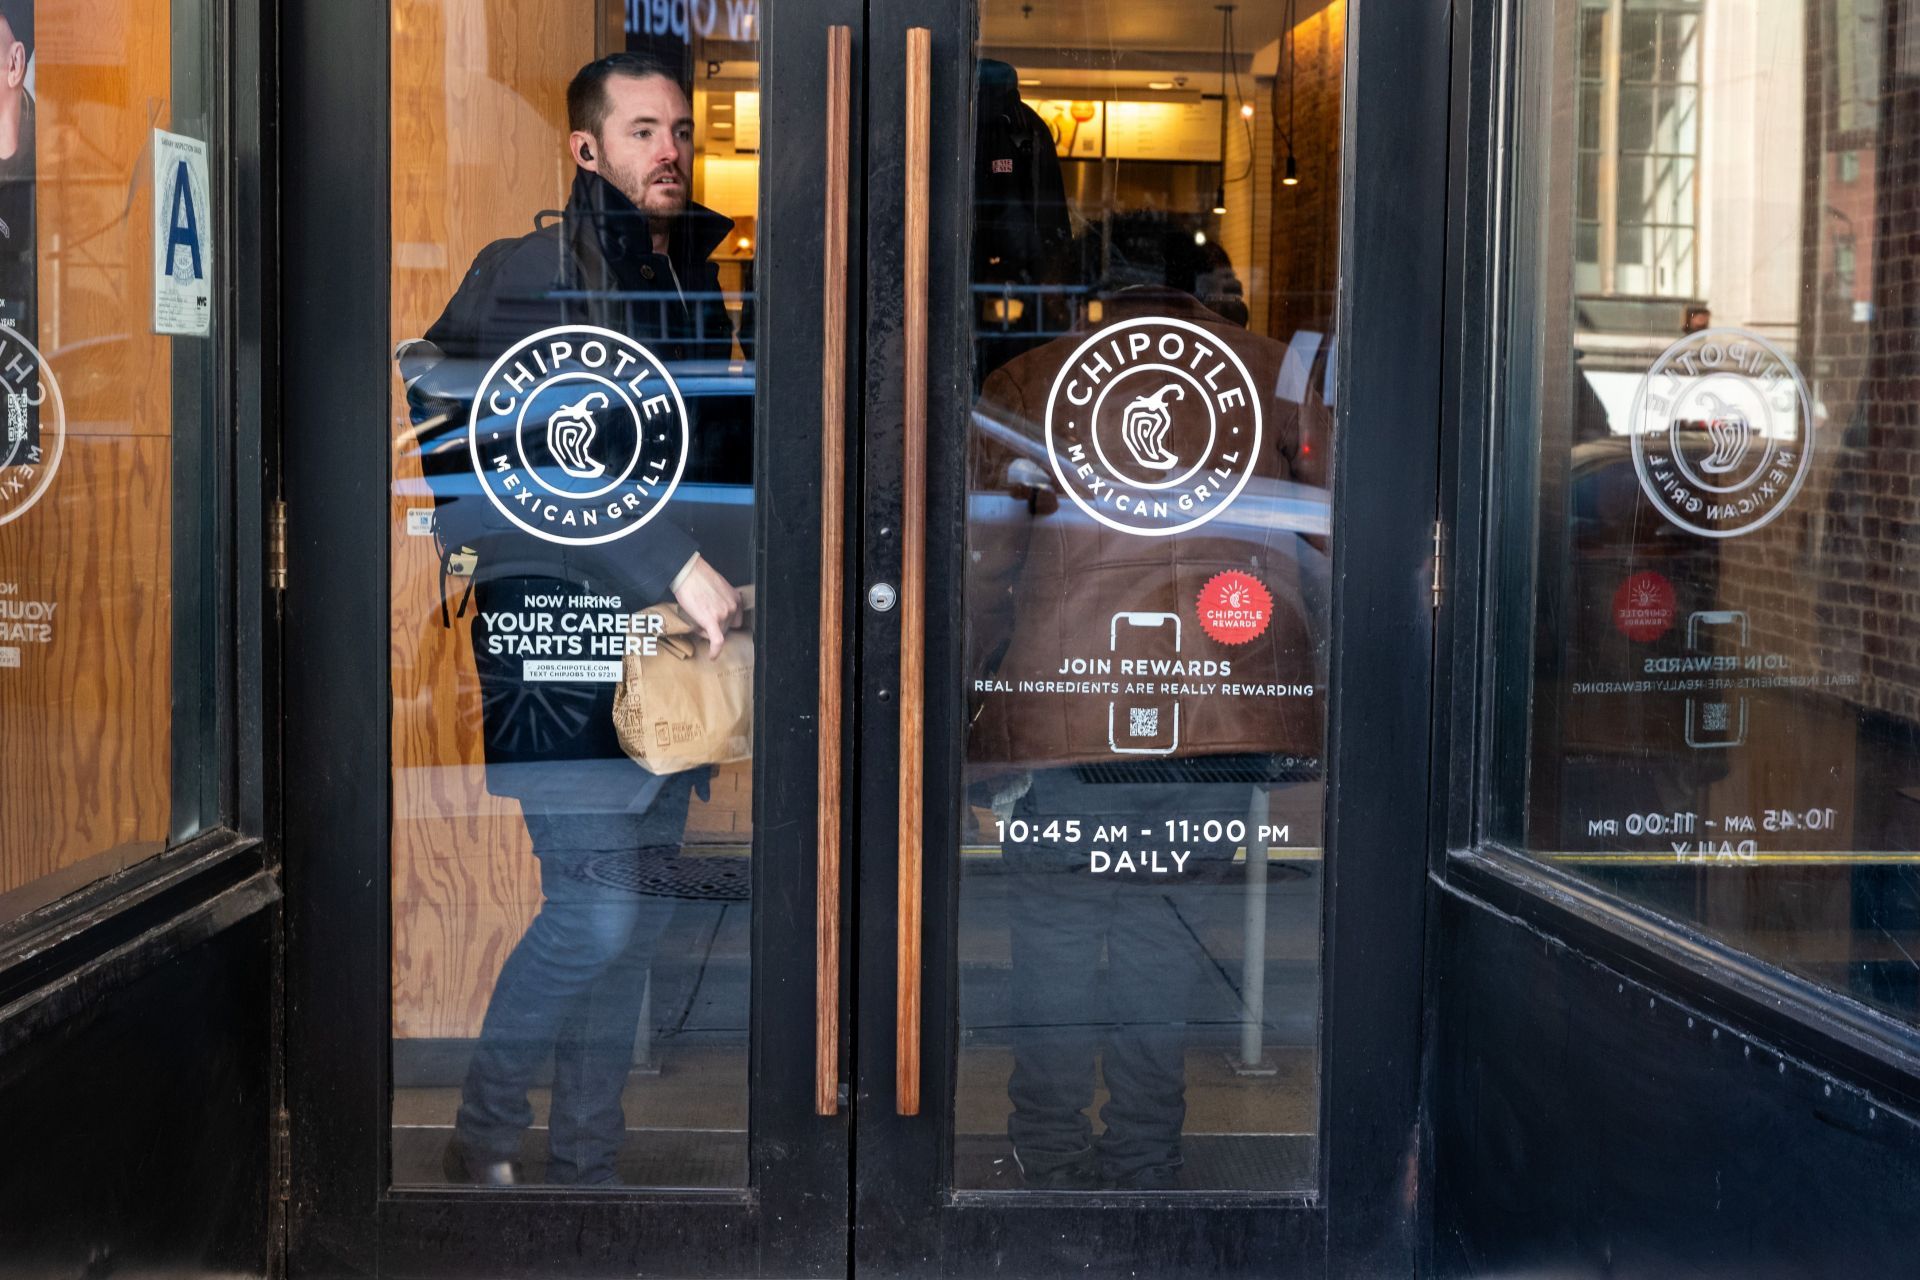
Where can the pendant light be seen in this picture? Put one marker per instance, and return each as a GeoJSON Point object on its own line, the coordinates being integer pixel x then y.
{"type": "Point", "coordinates": [1226, 58]}
{"type": "Point", "coordinates": [1290, 176]}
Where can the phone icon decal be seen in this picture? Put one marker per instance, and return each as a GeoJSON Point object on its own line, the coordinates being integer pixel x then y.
{"type": "Point", "coordinates": [1716, 720]}
{"type": "Point", "coordinates": [1143, 726]}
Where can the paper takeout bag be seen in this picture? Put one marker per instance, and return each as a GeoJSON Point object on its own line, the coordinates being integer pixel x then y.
{"type": "Point", "coordinates": [678, 708]}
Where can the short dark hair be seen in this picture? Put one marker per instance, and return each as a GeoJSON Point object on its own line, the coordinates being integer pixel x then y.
{"type": "Point", "coordinates": [587, 94]}
{"type": "Point", "coordinates": [19, 16]}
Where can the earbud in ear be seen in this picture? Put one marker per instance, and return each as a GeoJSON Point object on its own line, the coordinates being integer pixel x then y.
{"type": "Point", "coordinates": [586, 152]}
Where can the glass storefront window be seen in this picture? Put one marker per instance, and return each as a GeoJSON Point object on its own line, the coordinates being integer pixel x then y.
{"type": "Point", "coordinates": [1715, 570]}
{"type": "Point", "coordinates": [112, 457]}
{"type": "Point", "coordinates": [574, 195]}
{"type": "Point", "coordinates": [1147, 595]}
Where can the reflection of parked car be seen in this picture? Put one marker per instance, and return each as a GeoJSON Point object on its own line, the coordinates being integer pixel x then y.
{"type": "Point", "coordinates": [1634, 580]}
{"type": "Point", "coordinates": [1265, 506]}
{"type": "Point", "coordinates": [713, 502]}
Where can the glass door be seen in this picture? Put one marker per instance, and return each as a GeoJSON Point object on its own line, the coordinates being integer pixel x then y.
{"type": "Point", "coordinates": [967, 446]}
{"type": "Point", "coordinates": [556, 646]}
{"type": "Point", "coordinates": [1140, 952]}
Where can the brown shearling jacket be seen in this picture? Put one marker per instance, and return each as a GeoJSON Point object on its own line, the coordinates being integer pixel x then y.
{"type": "Point", "coordinates": [1072, 656]}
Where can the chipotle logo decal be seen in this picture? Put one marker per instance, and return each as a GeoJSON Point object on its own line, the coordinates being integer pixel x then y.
{"type": "Point", "coordinates": [33, 425]}
{"type": "Point", "coordinates": [1234, 608]}
{"type": "Point", "coordinates": [579, 435]}
{"type": "Point", "coordinates": [1153, 426]}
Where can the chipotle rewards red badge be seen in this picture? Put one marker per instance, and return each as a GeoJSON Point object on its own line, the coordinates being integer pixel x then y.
{"type": "Point", "coordinates": [1643, 606]}
{"type": "Point", "coordinates": [1234, 607]}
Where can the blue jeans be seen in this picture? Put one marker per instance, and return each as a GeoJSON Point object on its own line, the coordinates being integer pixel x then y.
{"type": "Point", "coordinates": [573, 987]}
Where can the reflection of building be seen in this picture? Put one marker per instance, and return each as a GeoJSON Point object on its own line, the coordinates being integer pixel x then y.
{"type": "Point", "coordinates": [1678, 197]}
{"type": "Point", "coordinates": [1765, 198]}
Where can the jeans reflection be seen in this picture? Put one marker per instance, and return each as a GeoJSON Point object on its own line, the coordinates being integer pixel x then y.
{"type": "Point", "coordinates": [1107, 969]}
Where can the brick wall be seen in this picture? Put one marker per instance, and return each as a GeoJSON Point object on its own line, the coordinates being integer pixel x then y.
{"type": "Point", "coordinates": [1304, 265]}
{"type": "Point", "coordinates": [1835, 581]}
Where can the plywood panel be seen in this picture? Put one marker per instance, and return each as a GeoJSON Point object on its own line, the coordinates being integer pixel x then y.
{"type": "Point", "coordinates": [84, 719]}
{"type": "Point", "coordinates": [98, 103]}
{"type": "Point", "coordinates": [479, 133]}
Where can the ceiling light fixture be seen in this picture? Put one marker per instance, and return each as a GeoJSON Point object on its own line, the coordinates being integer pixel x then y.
{"type": "Point", "coordinates": [1226, 69]}
{"type": "Point", "coordinates": [1290, 176]}
{"type": "Point", "coordinates": [1160, 84]}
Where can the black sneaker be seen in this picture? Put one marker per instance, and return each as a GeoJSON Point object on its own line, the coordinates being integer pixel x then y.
{"type": "Point", "coordinates": [1155, 1177]}
{"type": "Point", "coordinates": [464, 1166]}
{"type": "Point", "coordinates": [1049, 1172]}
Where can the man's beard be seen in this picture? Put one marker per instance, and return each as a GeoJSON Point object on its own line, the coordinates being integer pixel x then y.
{"type": "Point", "coordinates": [659, 203]}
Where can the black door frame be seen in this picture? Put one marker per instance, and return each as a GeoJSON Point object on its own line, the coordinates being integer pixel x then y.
{"type": "Point", "coordinates": [1364, 1218]}
{"type": "Point", "coordinates": [344, 1217]}
{"type": "Point", "coordinates": [794, 1218]}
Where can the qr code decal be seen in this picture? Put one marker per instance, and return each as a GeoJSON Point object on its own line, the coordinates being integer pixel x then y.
{"type": "Point", "coordinates": [1713, 717]}
{"type": "Point", "coordinates": [1143, 722]}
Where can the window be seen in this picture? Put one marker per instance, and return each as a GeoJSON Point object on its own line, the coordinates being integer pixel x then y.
{"type": "Point", "coordinates": [113, 629]}
{"type": "Point", "coordinates": [1711, 574]}
{"type": "Point", "coordinates": [1637, 170]}
{"type": "Point", "coordinates": [1147, 598]}
{"type": "Point", "coordinates": [565, 892]}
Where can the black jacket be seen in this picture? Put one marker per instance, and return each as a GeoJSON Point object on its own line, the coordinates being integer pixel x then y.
{"type": "Point", "coordinates": [594, 264]}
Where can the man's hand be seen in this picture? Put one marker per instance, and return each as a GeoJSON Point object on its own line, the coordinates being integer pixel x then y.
{"type": "Point", "coordinates": [709, 601]}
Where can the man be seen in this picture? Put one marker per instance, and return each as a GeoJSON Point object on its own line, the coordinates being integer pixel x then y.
{"type": "Point", "coordinates": [629, 253]}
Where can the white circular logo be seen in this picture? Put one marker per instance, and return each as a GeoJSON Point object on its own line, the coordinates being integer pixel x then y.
{"type": "Point", "coordinates": [578, 435]}
{"type": "Point", "coordinates": [35, 425]}
{"type": "Point", "coordinates": [1722, 430]}
{"type": "Point", "coordinates": [1153, 426]}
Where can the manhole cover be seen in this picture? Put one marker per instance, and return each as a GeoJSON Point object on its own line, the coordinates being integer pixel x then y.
{"type": "Point", "coordinates": [707, 878]}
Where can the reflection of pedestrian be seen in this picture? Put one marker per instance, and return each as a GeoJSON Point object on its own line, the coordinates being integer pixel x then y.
{"type": "Point", "coordinates": [1021, 225]}
{"type": "Point", "coordinates": [1697, 317]}
{"type": "Point", "coordinates": [630, 253]}
{"type": "Point", "coordinates": [1050, 586]}
{"type": "Point", "coordinates": [1134, 1018]}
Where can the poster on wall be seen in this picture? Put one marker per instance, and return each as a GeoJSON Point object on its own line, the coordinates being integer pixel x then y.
{"type": "Point", "coordinates": [19, 258]}
{"type": "Point", "coordinates": [182, 223]}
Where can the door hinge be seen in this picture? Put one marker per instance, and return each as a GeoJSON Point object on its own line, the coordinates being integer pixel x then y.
{"type": "Point", "coordinates": [1439, 562]}
{"type": "Point", "coordinates": [277, 546]}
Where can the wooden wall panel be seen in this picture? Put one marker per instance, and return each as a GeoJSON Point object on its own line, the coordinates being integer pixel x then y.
{"type": "Point", "coordinates": [84, 720]}
{"type": "Point", "coordinates": [479, 147]}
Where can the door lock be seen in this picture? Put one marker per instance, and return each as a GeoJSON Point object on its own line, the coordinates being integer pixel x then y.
{"type": "Point", "coordinates": [882, 597]}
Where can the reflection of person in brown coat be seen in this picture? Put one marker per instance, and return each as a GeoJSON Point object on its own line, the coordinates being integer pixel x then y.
{"type": "Point", "coordinates": [1048, 577]}
{"type": "Point", "coordinates": [1146, 611]}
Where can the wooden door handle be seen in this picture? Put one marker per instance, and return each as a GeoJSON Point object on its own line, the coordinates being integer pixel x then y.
{"type": "Point", "coordinates": [833, 556]}
{"type": "Point", "coordinates": [913, 586]}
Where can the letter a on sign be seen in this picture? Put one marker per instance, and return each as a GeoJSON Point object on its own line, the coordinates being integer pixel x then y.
{"type": "Point", "coordinates": [185, 228]}
{"type": "Point", "coordinates": [182, 221]}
